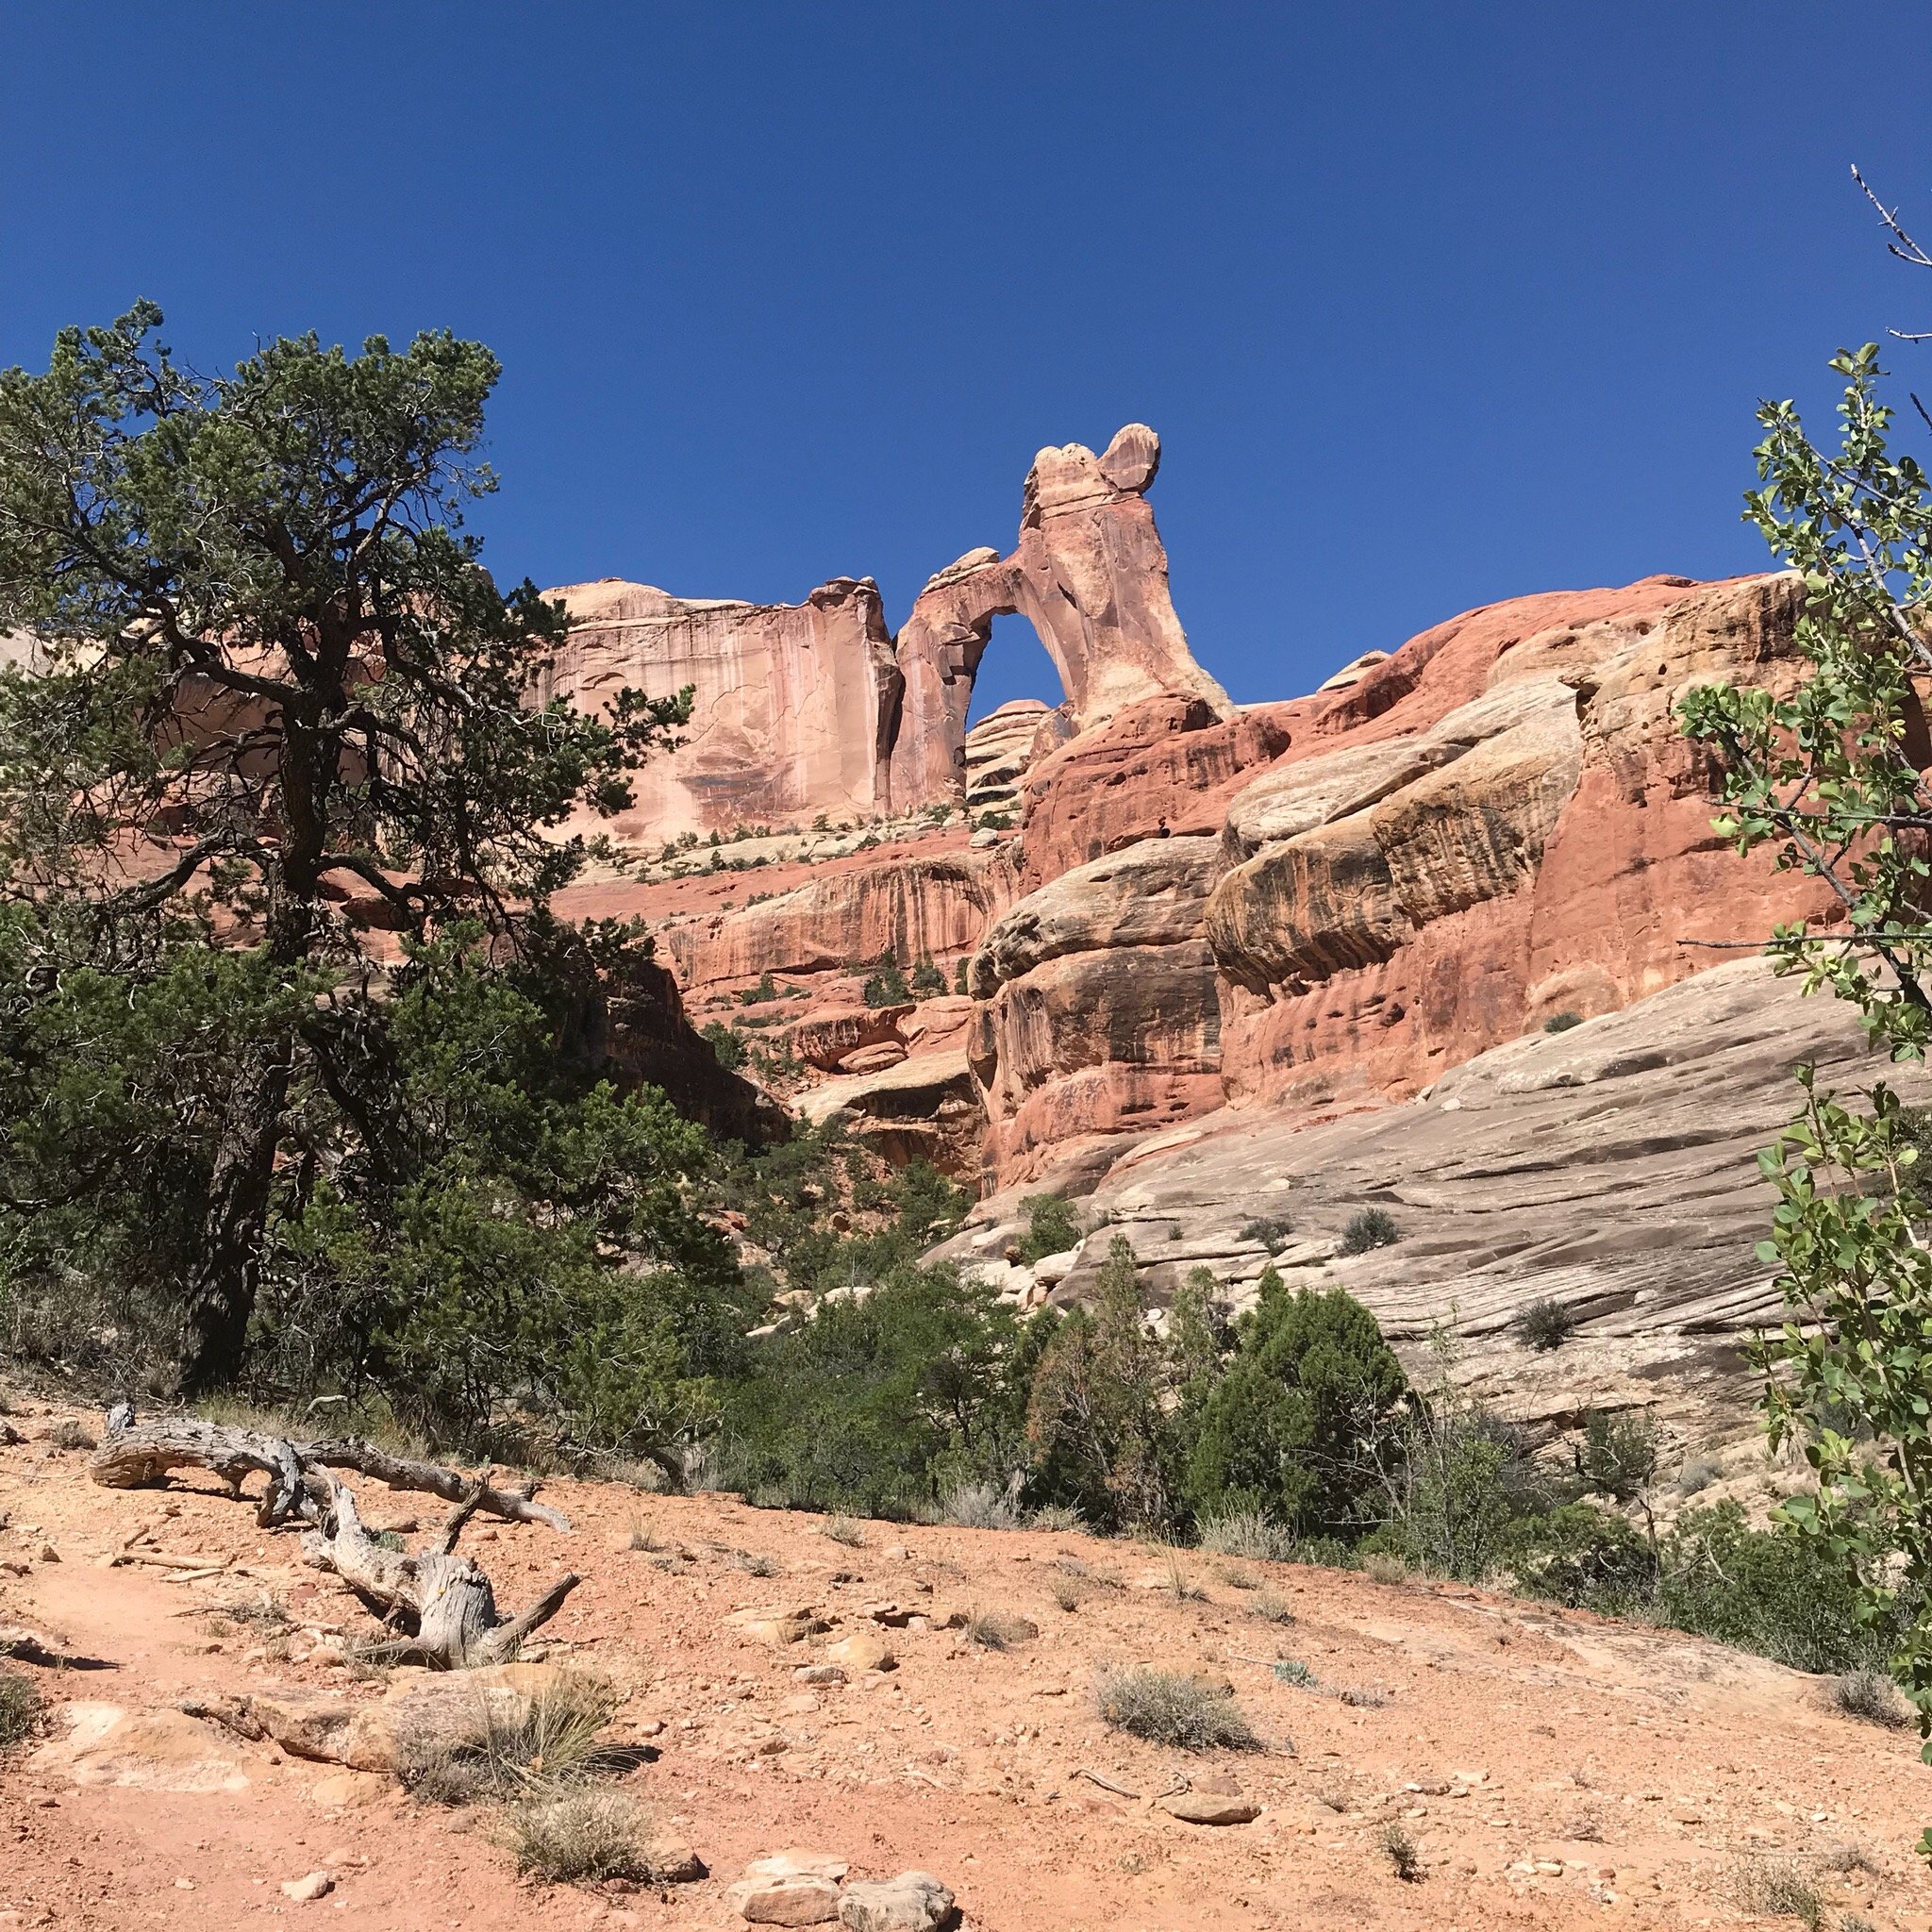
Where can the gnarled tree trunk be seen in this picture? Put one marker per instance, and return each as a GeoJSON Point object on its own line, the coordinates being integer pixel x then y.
{"type": "Point", "coordinates": [443, 1602]}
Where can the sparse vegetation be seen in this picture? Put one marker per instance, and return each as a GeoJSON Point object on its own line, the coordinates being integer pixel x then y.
{"type": "Point", "coordinates": [1374, 1227]}
{"type": "Point", "coordinates": [1270, 1608]}
{"type": "Point", "coordinates": [1562, 1022]}
{"type": "Point", "coordinates": [1052, 1227]}
{"type": "Point", "coordinates": [1290, 1669]}
{"type": "Point", "coordinates": [1547, 1324]}
{"type": "Point", "coordinates": [511, 1748]}
{"type": "Point", "coordinates": [1870, 1697]}
{"type": "Point", "coordinates": [1272, 1230]}
{"type": "Point", "coordinates": [1166, 1707]}
{"type": "Point", "coordinates": [1246, 1533]}
{"type": "Point", "coordinates": [842, 1529]}
{"type": "Point", "coordinates": [20, 1708]}
{"type": "Point", "coordinates": [982, 1506]}
{"type": "Point", "coordinates": [580, 1837]}
{"type": "Point", "coordinates": [999, 1629]}
{"type": "Point", "coordinates": [1778, 1889]}
{"type": "Point", "coordinates": [1404, 1855]}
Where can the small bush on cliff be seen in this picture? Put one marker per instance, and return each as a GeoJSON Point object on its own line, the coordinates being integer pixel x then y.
{"type": "Point", "coordinates": [1052, 1227]}
{"type": "Point", "coordinates": [1562, 1022]}
{"type": "Point", "coordinates": [726, 1044]}
{"type": "Point", "coordinates": [767, 988]}
{"type": "Point", "coordinates": [1547, 1324]}
{"type": "Point", "coordinates": [927, 981]}
{"type": "Point", "coordinates": [1372, 1228]}
{"type": "Point", "coordinates": [886, 986]}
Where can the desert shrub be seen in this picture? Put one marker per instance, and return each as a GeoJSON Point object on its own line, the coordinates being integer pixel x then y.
{"type": "Point", "coordinates": [1248, 1532]}
{"type": "Point", "coordinates": [884, 1405]}
{"type": "Point", "coordinates": [927, 981]}
{"type": "Point", "coordinates": [842, 1529]}
{"type": "Point", "coordinates": [20, 1708]}
{"type": "Point", "coordinates": [1372, 1228]}
{"type": "Point", "coordinates": [1769, 1591]}
{"type": "Point", "coordinates": [726, 1044]}
{"type": "Point", "coordinates": [1288, 1432]}
{"type": "Point", "coordinates": [1547, 1324]}
{"type": "Point", "coordinates": [1578, 1554]}
{"type": "Point", "coordinates": [510, 1747]}
{"type": "Point", "coordinates": [1061, 1519]}
{"type": "Point", "coordinates": [1271, 1230]}
{"type": "Point", "coordinates": [1052, 1227]}
{"type": "Point", "coordinates": [1871, 1697]}
{"type": "Point", "coordinates": [886, 986]}
{"type": "Point", "coordinates": [1778, 1889]}
{"type": "Point", "coordinates": [1270, 1608]}
{"type": "Point", "coordinates": [1291, 1671]}
{"type": "Point", "coordinates": [999, 1629]}
{"type": "Point", "coordinates": [1561, 1023]}
{"type": "Point", "coordinates": [981, 1506]}
{"type": "Point", "coordinates": [960, 978]}
{"type": "Point", "coordinates": [580, 1837]}
{"type": "Point", "coordinates": [1618, 1454]}
{"type": "Point", "coordinates": [1404, 1858]}
{"type": "Point", "coordinates": [1166, 1707]}
{"type": "Point", "coordinates": [767, 988]}
{"type": "Point", "coordinates": [1101, 1424]}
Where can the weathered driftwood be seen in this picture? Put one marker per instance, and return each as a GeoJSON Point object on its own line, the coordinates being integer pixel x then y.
{"type": "Point", "coordinates": [442, 1603]}
{"type": "Point", "coordinates": [144, 1453]}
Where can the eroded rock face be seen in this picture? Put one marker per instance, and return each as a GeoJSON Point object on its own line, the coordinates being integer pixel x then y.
{"type": "Point", "coordinates": [1538, 843]}
{"type": "Point", "coordinates": [794, 706]}
{"type": "Point", "coordinates": [1096, 1007]}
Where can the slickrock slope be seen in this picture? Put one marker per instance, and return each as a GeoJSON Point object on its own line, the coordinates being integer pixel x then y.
{"type": "Point", "coordinates": [1554, 1770]}
{"type": "Point", "coordinates": [1611, 1167]}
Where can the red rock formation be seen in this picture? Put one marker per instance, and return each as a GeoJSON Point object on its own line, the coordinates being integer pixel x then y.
{"type": "Point", "coordinates": [794, 706]}
{"type": "Point", "coordinates": [1090, 575]}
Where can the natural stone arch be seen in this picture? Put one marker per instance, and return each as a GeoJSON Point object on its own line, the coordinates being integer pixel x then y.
{"type": "Point", "coordinates": [1089, 572]}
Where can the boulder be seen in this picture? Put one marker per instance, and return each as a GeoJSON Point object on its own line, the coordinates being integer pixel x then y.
{"type": "Point", "coordinates": [1197, 1806]}
{"type": "Point", "coordinates": [864, 1650]}
{"type": "Point", "coordinates": [912, 1901]}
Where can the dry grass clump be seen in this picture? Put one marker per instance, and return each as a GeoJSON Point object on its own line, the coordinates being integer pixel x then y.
{"type": "Point", "coordinates": [1270, 1608]}
{"type": "Point", "coordinates": [20, 1708]}
{"type": "Point", "coordinates": [980, 1505]}
{"type": "Point", "coordinates": [1403, 1853]}
{"type": "Point", "coordinates": [69, 1434]}
{"type": "Point", "coordinates": [1778, 1889]}
{"type": "Point", "coordinates": [1247, 1533]}
{"type": "Point", "coordinates": [1057, 1519]}
{"type": "Point", "coordinates": [510, 1747]}
{"type": "Point", "coordinates": [1381, 1568]}
{"type": "Point", "coordinates": [843, 1530]}
{"type": "Point", "coordinates": [1166, 1707]}
{"type": "Point", "coordinates": [581, 1835]}
{"type": "Point", "coordinates": [1871, 1697]}
{"type": "Point", "coordinates": [999, 1630]}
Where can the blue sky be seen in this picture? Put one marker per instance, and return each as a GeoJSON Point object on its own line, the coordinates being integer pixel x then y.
{"type": "Point", "coordinates": [1432, 302]}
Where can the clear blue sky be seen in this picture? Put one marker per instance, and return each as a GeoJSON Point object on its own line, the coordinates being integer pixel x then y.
{"type": "Point", "coordinates": [1432, 302]}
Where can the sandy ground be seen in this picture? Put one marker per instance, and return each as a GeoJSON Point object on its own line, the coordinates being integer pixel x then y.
{"type": "Point", "coordinates": [1553, 1769]}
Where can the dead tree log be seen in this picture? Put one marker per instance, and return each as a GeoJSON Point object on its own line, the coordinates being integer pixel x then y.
{"type": "Point", "coordinates": [443, 1602]}
{"type": "Point", "coordinates": [144, 1453]}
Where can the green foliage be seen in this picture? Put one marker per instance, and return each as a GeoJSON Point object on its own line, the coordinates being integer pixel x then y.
{"type": "Point", "coordinates": [886, 986]}
{"type": "Point", "coordinates": [767, 988]}
{"type": "Point", "coordinates": [1618, 1456]}
{"type": "Point", "coordinates": [1578, 1554]}
{"type": "Point", "coordinates": [1291, 1429]}
{"type": "Point", "coordinates": [1374, 1227]}
{"type": "Point", "coordinates": [1271, 1230]}
{"type": "Point", "coordinates": [1562, 1022]}
{"type": "Point", "coordinates": [1098, 1419]}
{"type": "Point", "coordinates": [928, 980]}
{"type": "Point", "coordinates": [1052, 1227]}
{"type": "Point", "coordinates": [960, 978]}
{"type": "Point", "coordinates": [278, 554]}
{"type": "Point", "coordinates": [883, 1402]}
{"type": "Point", "coordinates": [728, 1043]}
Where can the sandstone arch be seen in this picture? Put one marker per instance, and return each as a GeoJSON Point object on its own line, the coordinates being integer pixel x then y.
{"type": "Point", "coordinates": [1089, 572]}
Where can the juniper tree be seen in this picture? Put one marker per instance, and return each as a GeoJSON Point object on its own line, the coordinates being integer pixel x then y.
{"type": "Point", "coordinates": [268, 677]}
